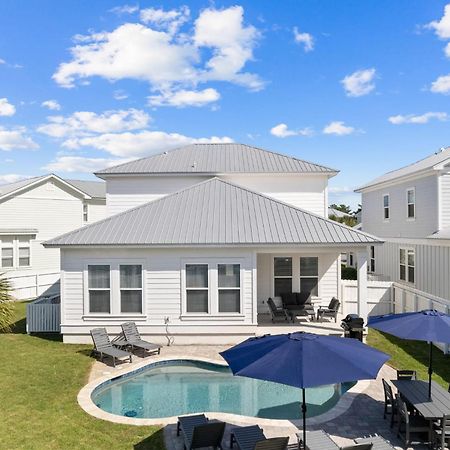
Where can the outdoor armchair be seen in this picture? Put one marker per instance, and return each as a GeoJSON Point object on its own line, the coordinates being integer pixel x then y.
{"type": "Point", "coordinates": [104, 347]}
{"type": "Point", "coordinates": [253, 438]}
{"type": "Point", "coordinates": [330, 311]}
{"type": "Point", "coordinates": [199, 432]}
{"type": "Point", "coordinates": [131, 337]}
{"type": "Point", "coordinates": [276, 312]}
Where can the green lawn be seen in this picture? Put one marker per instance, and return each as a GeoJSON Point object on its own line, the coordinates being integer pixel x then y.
{"type": "Point", "coordinates": [407, 354]}
{"type": "Point", "coordinates": [39, 381]}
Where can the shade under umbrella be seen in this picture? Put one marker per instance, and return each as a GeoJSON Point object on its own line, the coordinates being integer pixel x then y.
{"type": "Point", "coordinates": [428, 325]}
{"type": "Point", "coordinates": [304, 360]}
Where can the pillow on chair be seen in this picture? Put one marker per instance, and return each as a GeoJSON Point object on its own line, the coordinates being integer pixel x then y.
{"type": "Point", "coordinates": [277, 301]}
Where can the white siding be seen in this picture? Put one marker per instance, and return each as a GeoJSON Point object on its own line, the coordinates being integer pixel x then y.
{"type": "Point", "coordinates": [445, 200]}
{"type": "Point", "coordinates": [96, 210]}
{"type": "Point", "coordinates": [303, 191]}
{"type": "Point", "coordinates": [426, 221]}
{"type": "Point", "coordinates": [329, 282]}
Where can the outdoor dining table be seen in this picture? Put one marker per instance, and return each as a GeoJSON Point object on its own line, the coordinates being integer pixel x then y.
{"type": "Point", "coordinates": [416, 393]}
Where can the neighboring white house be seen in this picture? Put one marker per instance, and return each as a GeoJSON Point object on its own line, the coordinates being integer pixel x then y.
{"type": "Point", "coordinates": [198, 238]}
{"type": "Point", "coordinates": [35, 210]}
{"type": "Point", "coordinates": [409, 209]}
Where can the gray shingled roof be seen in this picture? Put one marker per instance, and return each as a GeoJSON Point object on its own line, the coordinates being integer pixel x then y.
{"type": "Point", "coordinates": [217, 159]}
{"type": "Point", "coordinates": [424, 164]}
{"type": "Point", "coordinates": [214, 212]}
{"type": "Point", "coordinates": [94, 189]}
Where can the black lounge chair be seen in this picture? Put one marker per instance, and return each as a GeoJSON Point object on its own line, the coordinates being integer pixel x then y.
{"type": "Point", "coordinates": [199, 432]}
{"type": "Point", "coordinates": [131, 337]}
{"type": "Point", "coordinates": [104, 347]}
{"type": "Point", "coordinates": [253, 438]}
{"type": "Point", "coordinates": [277, 312]}
{"type": "Point", "coordinates": [330, 311]}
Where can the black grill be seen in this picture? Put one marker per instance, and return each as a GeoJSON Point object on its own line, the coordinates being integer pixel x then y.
{"type": "Point", "coordinates": [353, 326]}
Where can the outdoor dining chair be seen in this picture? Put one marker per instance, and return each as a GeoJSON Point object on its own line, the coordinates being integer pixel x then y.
{"type": "Point", "coordinates": [406, 375]}
{"type": "Point", "coordinates": [390, 402]}
{"type": "Point", "coordinates": [410, 423]}
{"type": "Point", "coordinates": [441, 433]}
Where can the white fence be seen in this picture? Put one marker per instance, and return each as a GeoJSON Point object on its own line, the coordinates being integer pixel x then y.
{"type": "Point", "coordinates": [44, 315]}
{"type": "Point", "coordinates": [33, 285]}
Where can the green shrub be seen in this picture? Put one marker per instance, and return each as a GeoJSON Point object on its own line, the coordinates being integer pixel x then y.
{"type": "Point", "coordinates": [348, 273]}
{"type": "Point", "coordinates": [6, 305]}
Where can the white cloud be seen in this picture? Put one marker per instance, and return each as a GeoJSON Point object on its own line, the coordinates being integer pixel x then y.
{"type": "Point", "coordinates": [184, 98]}
{"type": "Point", "coordinates": [163, 56]}
{"type": "Point", "coordinates": [338, 128]}
{"type": "Point", "coordinates": [418, 119]}
{"type": "Point", "coordinates": [2, 61]}
{"type": "Point", "coordinates": [81, 164]}
{"type": "Point", "coordinates": [304, 39]}
{"type": "Point", "coordinates": [11, 178]}
{"type": "Point", "coordinates": [441, 85]}
{"type": "Point", "coordinates": [169, 21]}
{"type": "Point", "coordinates": [359, 83]}
{"type": "Point", "coordinates": [282, 131]}
{"type": "Point", "coordinates": [137, 144]}
{"type": "Point", "coordinates": [16, 139]}
{"type": "Point", "coordinates": [340, 189]}
{"type": "Point", "coordinates": [442, 27]}
{"type": "Point", "coordinates": [124, 9]}
{"type": "Point", "coordinates": [51, 104]}
{"type": "Point", "coordinates": [6, 108]}
{"type": "Point", "coordinates": [87, 122]}
{"type": "Point", "coordinates": [119, 94]}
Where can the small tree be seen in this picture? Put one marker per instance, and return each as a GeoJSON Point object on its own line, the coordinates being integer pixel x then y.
{"type": "Point", "coordinates": [6, 305]}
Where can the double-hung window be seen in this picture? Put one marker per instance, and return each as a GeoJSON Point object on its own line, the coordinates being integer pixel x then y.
{"type": "Point", "coordinates": [411, 203]}
{"type": "Point", "coordinates": [130, 288]}
{"type": "Point", "coordinates": [15, 251]}
{"type": "Point", "coordinates": [197, 288]}
{"type": "Point", "coordinates": [229, 287]}
{"type": "Point", "coordinates": [85, 212]}
{"type": "Point", "coordinates": [7, 252]}
{"type": "Point", "coordinates": [407, 265]}
{"type": "Point", "coordinates": [99, 287]}
{"type": "Point", "coordinates": [23, 243]}
{"type": "Point", "coordinates": [386, 207]}
{"type": "Point", "coordinates": [372, 259]}
{"type": "Point", "coordinates": [309, 274]}
{"type": "Point", "coordinates": [282, 269]}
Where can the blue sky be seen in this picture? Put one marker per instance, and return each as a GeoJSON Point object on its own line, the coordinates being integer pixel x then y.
{"type": "Point", "coordinates": [358, 86]}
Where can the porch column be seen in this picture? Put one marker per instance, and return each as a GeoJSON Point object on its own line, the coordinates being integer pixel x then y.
{"type": "Point", "coordinates": [363, 310]}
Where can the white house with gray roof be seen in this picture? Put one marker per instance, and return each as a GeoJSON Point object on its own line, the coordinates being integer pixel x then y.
{"type": "Point", "coordinates": [409, 209]}
{"type": "Point", "coordinates": [35, 210]}
{"type": "Point", "coordinates": [198, 238]}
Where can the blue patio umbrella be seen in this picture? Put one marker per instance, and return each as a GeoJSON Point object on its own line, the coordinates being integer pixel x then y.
{"type": "Point", "coordinates": [304, 360]}
{"type": "Point", "coordinates": [428, 325]}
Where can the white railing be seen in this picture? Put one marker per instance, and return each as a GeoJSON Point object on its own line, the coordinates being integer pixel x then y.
{"type": "Point", "coordinates": [44, 315]}
{"type": "Point", "coordinates": [32, 285]}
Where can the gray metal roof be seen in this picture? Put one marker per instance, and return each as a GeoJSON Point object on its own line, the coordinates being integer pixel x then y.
{"type": "Point", "coordinates": [419, 166]}
{"type": "Point", "coordinates": [217, 159]}
{"type": "Point", "coordinates": [94, 189]}
{"type": "Point", "coordinates": [214, 212]}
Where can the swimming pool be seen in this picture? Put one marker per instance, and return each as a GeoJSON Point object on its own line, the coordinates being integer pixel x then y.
{"type": "Point", "coordinates": [177, 387]}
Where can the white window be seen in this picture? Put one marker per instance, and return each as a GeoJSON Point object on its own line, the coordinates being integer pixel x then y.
{"type": "Point", "coordinates": [282, 269]}
{"type": "Point", "coordinates": [407, 265]}
{"type": "Point", "coordinates": [99, 287]}
{"type": "Point", "coordinates": [15, 251]}
{"type": "Point", "coordinates": [130, 288]}
{"type": "Point", "coordinates": [411, 203]}
{"type": "Point", "coordinates": [229, 288]}
{"type": "Point", "coordinates": [85, 212]}
{"type": "Point", "coordinates": [309, 274]}
{"type": "Point", "coordinates": [386, 207]}
{"type": "Point", "coordinates": [372, 259]}
{"type": "Point", "coordinates": [197, 288]}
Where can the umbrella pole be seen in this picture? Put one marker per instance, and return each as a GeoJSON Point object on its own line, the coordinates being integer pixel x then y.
{"type": "Point", "coordinates": [304, 417]}
{"type": "Point", "coordinates": [430, 369]}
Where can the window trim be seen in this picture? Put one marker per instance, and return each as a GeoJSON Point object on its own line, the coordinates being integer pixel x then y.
{"type": "Point", "coordinates": [274, 277]}
{"type": "Point", "coordinates": [100, 289]}
{"type": "Point", "coordinates": [388, 207]}
{"type": "Point", "coordinates": [141, 289]}
{"type": "Point", "coordinates": [230, 288]}
{"type": "Point", "coordinates": [309, 276]}
{"type": "Point", "coordinates": [16, 245]}
{"type": "Point", "coordinates": [372, 260]}
{"type": "Point", "coordinates": [407, 266]}
{"type": "Point", "coordinates": [186, 289]}
{"type": "Point", "coordinates": [412, 218]}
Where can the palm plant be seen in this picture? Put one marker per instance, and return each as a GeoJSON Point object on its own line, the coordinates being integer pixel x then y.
{"type": "Point", "coordinates": [6, 305]}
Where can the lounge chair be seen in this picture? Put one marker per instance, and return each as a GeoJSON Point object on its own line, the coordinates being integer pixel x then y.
{"type": "Point", "coordinates": [366, 446]}
{"type": "Point", "coordinates": [132, 338]}
{"type": "Point", "coordinates": [199, 432]}
{"type": "Point", "coordinates": [378, 443]}
{"type": "Point", "coordinates": [276, 312]}
{"type": "Point", "coordinates": [317, 440]}
{"type": "Point", "coordinates": [412, 424]}
{"type": "Point", "coordinates": [104, 347]}
{"type": "Point", "coordinates": [330, 311]}
{"type": "Point", "coordinates": [253, 438]}
{"type": "Point", "coordinates": [406, 375]}
{"type": "Point", "coordinates": [390, 402]}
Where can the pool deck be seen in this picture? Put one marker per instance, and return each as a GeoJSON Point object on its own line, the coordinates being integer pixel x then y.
{"type": "Point", "coordinates": [358, 415]}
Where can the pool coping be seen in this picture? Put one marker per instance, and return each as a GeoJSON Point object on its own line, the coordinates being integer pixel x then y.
{"type": "Point", "coordinates": [85, 401]}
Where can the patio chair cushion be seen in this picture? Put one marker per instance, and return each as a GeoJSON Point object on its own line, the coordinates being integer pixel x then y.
{"type": "Point", "coordinates": [277, 301]}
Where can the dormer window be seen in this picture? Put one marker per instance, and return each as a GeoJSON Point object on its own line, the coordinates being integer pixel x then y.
{"type": "Point", "coordinates": [411, 203]}
{"type": "Point", "coordinates": [386, 207]}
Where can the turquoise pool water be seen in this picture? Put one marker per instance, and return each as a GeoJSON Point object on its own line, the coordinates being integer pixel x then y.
{"type": "Point", "coordinates": [173, 388]}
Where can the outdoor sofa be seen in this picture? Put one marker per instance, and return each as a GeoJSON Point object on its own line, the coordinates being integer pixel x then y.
{"type": "Point", "coordinates": [199, 432]}
{"type": "Point", "coordinates": [298, 304]}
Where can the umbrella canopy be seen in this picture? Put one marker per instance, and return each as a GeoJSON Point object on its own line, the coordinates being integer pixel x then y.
{"type": "Point", "coordinates": [304, 360]}
{"type": "Point", "coordinates": [428, 325]}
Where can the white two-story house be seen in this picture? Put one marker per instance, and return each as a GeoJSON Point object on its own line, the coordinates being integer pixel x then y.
{"type": "Point", "coordinates": [198, 238]}
{"type": "Point", "coordinates": [34, 210]}
{"type": "Point", "coordinates": [409, 209]}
